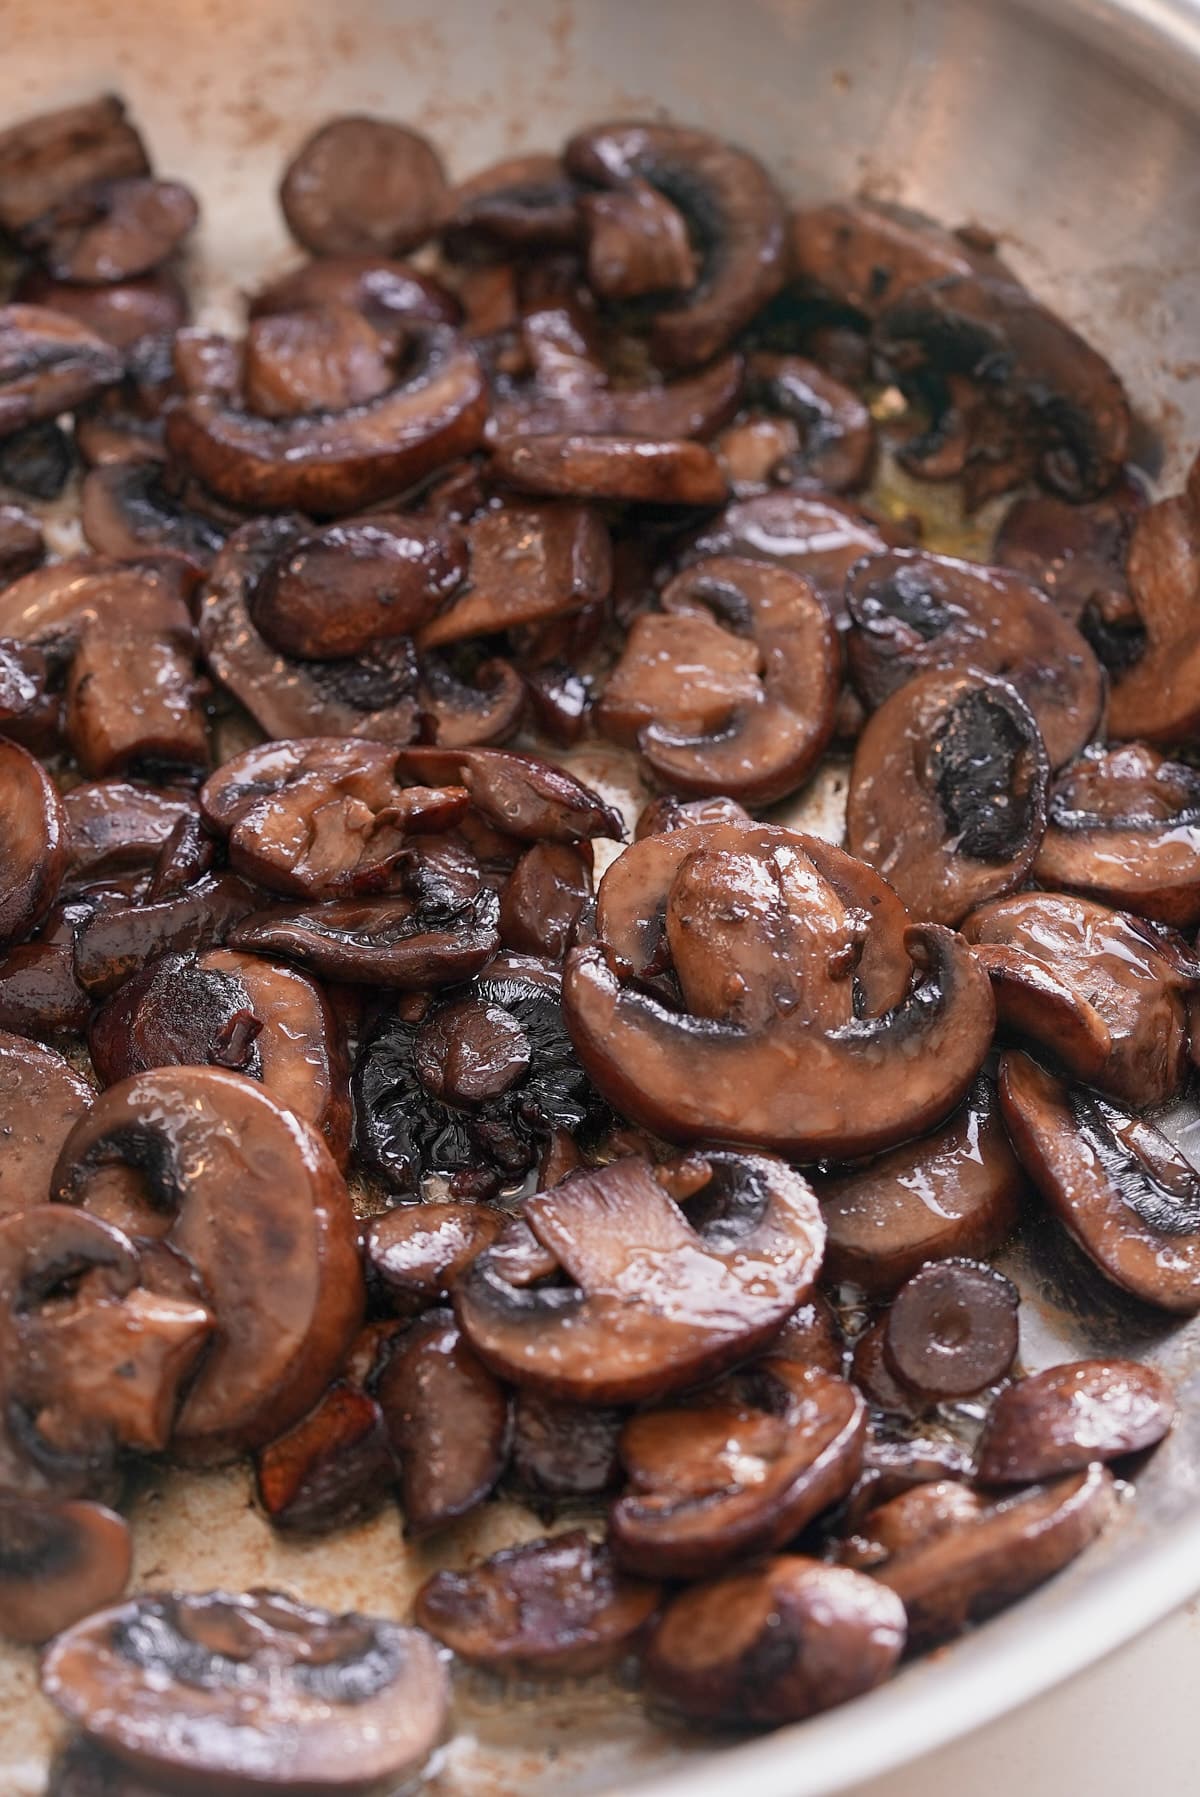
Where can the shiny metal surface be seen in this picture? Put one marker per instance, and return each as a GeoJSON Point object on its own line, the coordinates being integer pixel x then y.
{"type": "Point", "coordinates": [1070, 127]}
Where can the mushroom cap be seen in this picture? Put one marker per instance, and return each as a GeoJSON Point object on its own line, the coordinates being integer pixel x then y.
{"type": "Point", "coordinates": [362, 185]}
{"type": "Point", "coordinates": [46, 158]}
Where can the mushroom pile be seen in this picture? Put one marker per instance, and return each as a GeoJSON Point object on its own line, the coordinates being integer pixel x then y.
{"type": "Point", "coordinates": [391, 1099]}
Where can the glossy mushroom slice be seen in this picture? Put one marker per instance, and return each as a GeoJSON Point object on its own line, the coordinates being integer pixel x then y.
{"type": "Point", "coordinates": [1157, 698]}
{"type": "Point", "coordinates": [40, 994]}
{"type": "Point", "coordinates": [131, 317]}
{"type": "Point", "coordinates": [948, 793]}
{"type": "Point", "coordinates": [92, 1358]}
{"type": "Point", "coordinates": [115, 825]}
{"type": "Point", "coordinates": [1065, 1418]}
{"type": "Point", "coordinates": [58, 1563]}
{"type": "Point", "coordinates": [809, 533]}
{"type": "Point", "coordinates": [633, 470]}
{"type": "Point", "coordinates": [966, 1560]}
{"type": "Point", "coordinates": [416, 1251]}
{"type": "Point", "coordinates": [390, 295]}
{"type": "Point", "coordinates": [317, 360]}
{"type": "Point", "coordinates": [637, 243]}
{"type": "Point", "coordinates": [951, 1330]}
{"type": "Point", "coordinates": [520, 795]}
{"type": "Point", "coordinates": [521, 203]}
{"type": "Point", "coordinates": [740, 1472]}
{"type": "Point", "coordinates": [329, 464]}
{"type": "Point", "coordinates": [735, 218]}
{"type": "Point", "coordinates": [955, 1192]}
{"type": "Point", "coordinates": [129, 513]}
{"type": "Point", "coordinates": [122, 935]}
{"type": "Point", "coordinates": [544, 898]}
{"type": "Point", "coordinates": [49, 365]}
{"type": "Point", "coordinates": [44, 1097]}
{"type": "Point", "coordinates": [557, 1606]}
{"type": "Point", "coordinates": [212, 1691]}
{"type": "Point", "coordinates": [863, 254]}
{"type": "Point", "coordinates": [1123, 827]}
{"type": "Point", "coordinates": [331, 1469]}
{"type": "Point", "coordinates": [1119, 1187]}
{"type": "Point", "coordinates": [46, 158]}
{"type": "Point", "coordinates": [656, 1298]}
{"type": "Point", "coordinates": [111, 231]}
{"type": "Point", "coordinates": [828, 436]}
{"type": "Point", "coordinates": [733, 689]}
{"type": "Point", "coordinates": [363, 185]}
{"type": "Point", "coordinates": [525, 562]}
{"type": "Point", "coordinates": [911, 612]}
{"type": "Point", "coordinates": [34, 843]}
{"type": "Point", "coordinates": [578, 398]}
{"type": "Point", "coordinates": [774, 1643]}
{"type": "Point", "coordinates": [163, 1151]}
{"type": "Point", "coordinates": [564, 1451]}
{"type": "Point", "coordinates": [400, 942]}
{"type": "Point", "coordinates": [1077, 554]}
{"type": "Point", "coordinates": [1102, 993]}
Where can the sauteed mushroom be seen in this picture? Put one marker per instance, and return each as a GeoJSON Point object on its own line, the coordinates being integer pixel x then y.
{"type": "Point", "coordinates": [951, 1330]}
{"type": "Point", "coordinates": [1067, 1417]}
{"type": "Point", "coordinates": [58, 1563]}
{"type": "Point", "coordinates": [117, 824]}
{"type": "Point", "coordinates": [21, 543]}
{"type": "Point", "coordinates": [544, 898]}
{"type": "Point", "coordinates": [863, 254]}
{"type": "Point", "coordinates": [45, 159]}
{"type": "Point", "coordinates": [324, 359]}
{"type": "Point", "coordinates": [455, 715]}
{"type": "Point", "coordinates": [1077, 554]}
{"type": "Point", "coordinates": [525, 562]}
{"type": "Point", "coordinates": [520, 795]}
{"type": "Point", "coordinates": [834, 440]}
{"type": "Point", "coordinates": [562, 1450]}
{"type": "Point", "coordinates": [120, 937]}
{"type": "Point", "coordinates": [416, 1251]}
{"type": "Point", "coordinates": [390, 295]}
{"type": "Point", "coordinates": [37, 461]}
{"type": "Point", "coordinates": [386, 942]}
{"type": "Point", "coordinates": [636, 470]}
{"type": "Point", "coordinates": [129, 316]}
{"type": "Point", "coordinates": [34, 845]}
{"type": "Point", "coordinates": [637, 243]}
{"type": "Point", "coordinates": [817, 536]}
{"type": "Point", "coordinates": [363, 186]}
{"type": "Point", "coordinates": [1157, 699]}
{"type": "Point", "coordinates": [111, 231]}
{"type": "Point", "coordinates": [48, 364]}
{"type": "Point", "coordinates": [44, 1098]}
{"type": "Point", "coordinates": [129, 513]}
{"type": "Point", "coordinates": [331, 1469]}
{"type": "Point", "coordinates": [522, 203]}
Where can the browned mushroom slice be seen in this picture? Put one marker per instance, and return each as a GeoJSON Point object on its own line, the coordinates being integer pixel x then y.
{"type": "Point", "coordinates": [835, 442]}
{"type": "Point", "coordinates": [911, 612]}
{"type": "Point", "coordinates": [110, 231]}
{"type": "Point", "coordinates": [319, 360]}
{"type": "Point", "coordinates": [417, 1251]}
{"type": "Point", "coordinates": [44, 1098]}
{"type": "Point", "coordinates": [1123, 826]}
{"type": "Point", "coordinates": [864, 253]}
{"type": "Point", "coordinates": [1119, 1187]}
{"type": "Point", "coordinates": [583, 403]}
{"type": "Point", "coordinates": [29, 702]}
{"type": "Point", "coordinates": [58, 1563]}
{"type": "Point", "coordinates": [951, 1330]}
{"type": "Point", "coordinates": [1127, 988]}
{"type": "Point", "coordinates": [48, 364]}
{"type": "Point", "coordinates": [654, 1301]}
{"type": "Point", "coordinates": [92, 1359]}
{"type": "Point", "coordinates": [774, 1644]}
{"type": "Point", "coordinates": [637, 243]}
{"type": "Point", "coordinates": [544, 898]}
{"type": "Point", "coordinates": [740, 1472]}
{"type": "Point", "coordinates": [523, 202]}
{"type": "Point", "coordinates": [332, 1468]}
{"type": "Point", "coordinates": [457, 714]}
{"type": "Point", "coordinates": [214, 1691]}
{"type": "Point", "coordinates": [331, 464]}
{"type": "Point", "coordinates": [879, 1385]}
{"type": "Point", "coordinates": [336, 593]}
{"type": "Point", "coordinates": [893, 1466]}
{"type": "Point", "coordinates": [1077, 554]}
{"type": "Point", "coordinates": [123, 316]}
{"type": "Point", "coordinates": [520, 795]}
{"type": "Point", "coordinates": [1157, 699]}
{"type": "Point", "coordinates": [955, 1192]}
{"type": "Point", "coordinates": [363, 186]}
{"type": "Point", "coordinates": [390, 295]}
{"type": "Point", "coordinates": [34, 844]}
{"type": "Point", "coordinates": [388, 942]}
{"type": "Point", "coordinates": [734, 216]}
{"type": "Point", "coordinates": [44, 159]}
{"type": "Point", "coordinates": [913, 1518]}
{"type": "Point", "coordinates": [118, 824]}
{"type": "Point", "coordinates": [39, 993]}
{"type": "Point", "coordinates": [668, 813]}
{"type": "Point", "coordinates": [163, 1151]}
{"type": "Point", "coordinates": [22, 547]}
{"type": "Point", "coordinates": [562, 1450]}
{"type": "Point", "coordinates": [1063, 1419]}
{"type": "Point", "coordinates": [119, 938]}
{"type": "Point", "coordinates": [556, 1606]}
{"type": "Point", "coordinates": [525, 562]}
{"type": "Point", "coordinates": [948, 792]}
{"type": "Point", "coordinates": [637, 470]}
{"type": "Point", "coordinates": [973, 1565]}
{"type": "Point", "coordinates": [811, 534]}
{"type": "Point", "coordinates": [129, 513]}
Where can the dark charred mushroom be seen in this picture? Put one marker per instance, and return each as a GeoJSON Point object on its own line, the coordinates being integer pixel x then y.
{"type": "Point", "coordinates": [562, 1450]}
{"type": "Point", "coordinates": [362, 186]}
{"type": "Point", "coordinates": [34, 845]}
{"type": "Point", "coordinates": [955, 1192]}
{"type": "Point", "coordinates": [817, 536]}
{"type": "Point", "coordinates": [22, 545]}
{"type": "Point", "coordinates": [37, 461]}
{"type": "Point", "coordinates": [162, 1152]}
{"type": "Point", "coordinates": [543, 899]}
{"type": "Point", "coordinates": [331, 1469]}
{"type": "Point", "coordinates": [44, 1098]}
{"type": "Point", "coordinates": [112, 230]}
{"type": "Point", "coordinates": [58, 1563]}
{"type": "Point", "coordinates": [121, 936]}
{"type": "Point", "coordinates": [735, 218]}
{"type": "Point", "coordinates": [129, 513]}
{"type": "Point", "coordinates": [324, 359]}
{"type": "Point", "coordinates": [1119, 1187]}
{"type": "Point", "coordinates": [525, 562]}
{"type": "Point", "coordinates": [390, 295]}
{"type": "Point", "coordinates": [637, 243]}
{"type": "Point", "coordinates": [1157, 699]}
{"type": "Point", "coordinates": [1116, 1012]}
{"type": "Point", "coordinates": [212, 1690]}
{"type": "Point", "coordinates": [1064, 1419]}
{"type": "Point", "coordinates": [951, 1330]}
{"type": "Point", "coordinates": [416, 1251]}
{"type": "Point", "coordinates": [948, 792]}
{"type": "Point", "coordinates": [48, 364]}
{"type": "Point", "coordinates": [47, 158]}
{"type": "Point", "coordinates": [638, 1318]}
{"type": "Point", "coordinates": [636, 470]}
{"type": "Point", "coordinates": [779, 1642]}
{"type": "Point", "coordinates": [911, 612]}
{"type": "Point", "coordinates": [552, 1606]}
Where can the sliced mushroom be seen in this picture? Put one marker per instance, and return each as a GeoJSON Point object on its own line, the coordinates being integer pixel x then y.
{"type": "Point", "coordinates": [44, 1098]}
{"type": "Point", "coordinates": [654, 1301]}
{"type": "Point", "coordinates": [520, 795]}
{"type": "Point", "coordinates": [34, 845]}
{"type": "Point", "coordinates": [911, 612]}
{"type": "Point", "coordinates": [891, 1467]}
{"type": "Point", "coordinates": [668, 813]}
{"type": "Point", "coordinates": [863, 254]}
{"type": "Point", "coordinates": [119, 938]}
{"type": "Point", "coordinates": [973, 1565]}
{"type": "Point", "coordinates": [1065, 1418]}
{"type": "Point", "coordinates": [734, 215]}
{"type": "Point", "coordinates": [1157, 699]}
{"type": "Point", "coordinates": [637, 243]}
{"type": "Point", "coordinates": [886, 1394]}
{"type": "Point", "coordinates": [916, 1516]}
{"type": "Point", "coordinates": [323, 359]}
{"type": "Point", "coordinates": [834, 439]}
{"type": "Point", "coordinates": [331, 1469]}
{"type": "Point", "coordinates": [456, 714]}
{"type": "Point", "coordinates": [390, 295]}
{"type": "Point", "coordinates": [416, 1251]}
{"type": "Point", "coordinates": [525, 562]}
{"type": "Point", "coordinates": [557, 1605]}
{"type": "Point", "coordinates": [521, 203]}
{"type": "Point", "coordinates": [112, 230]}
{"type": "Point", "coordinates": [125, 316]}
{"type": "Point", "coordinates": [578, 399]}
{"type": "Point", "coordinates": [1119, 1020]}
{"type": "Point", "coordinates": [39, 993]}
{"type": "Point", "coordinates": [387, 942]}
{"type": "Point", "coordinates": [948, 792]}
{"type": "Point", "coordinates": [46, 158]}
{"type": "Point", "coordinates": [363, 186]}
{"type": "Point", "coordinates": [544, 898]}
{"type": "Point", "coordinates": [162, 1151]}
{"type": "Point", "coordinates": [635, 470]}
{"type": "Point", "coordinates": [956, 1192]}
{"type": "Point", "coordinates": [37, 461]}
{"type": "Point", "coordinates": [22, 545]}
{"type": "Point", "coordinates": [1077, 554]}
{"type": "Point", "coordinates": [809, 533]}
{"type": "Point", "coordinates": [212, 1690]}
{"type": "Point", "coordinates": [1119, 1187]}
{"type": "Point", "coordinates": [1123, 826]}
{"type": "Point", "coordinates": [58, 1563]}
{"type": "Point", "coordinates": [29, 701]}
{"type": "Point", "coordinates": [741, 1472]}
{"type": "Point", "coordinates": [331, 464]}
{"type": "Point", "coordinates": [811, 1337]}
{"type": "Point", "coordinates": [562, 1450]}
{"type": "Point", "coordinates": [48, 364]}
{"type": "Point", "coordinates": [775, 1643]}
{"type": "Point", "coordinates": [129, 513]}
{"type": "Point", "coordinates": [117, 824]}
{"type": "Point", "coordinates": [951, 1330]}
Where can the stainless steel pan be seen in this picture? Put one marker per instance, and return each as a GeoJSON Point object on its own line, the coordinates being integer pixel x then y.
{"type": "Point", "coordinates": [1072, 129]}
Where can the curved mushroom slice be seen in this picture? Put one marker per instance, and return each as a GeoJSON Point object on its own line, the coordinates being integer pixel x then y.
{"type": "Point", "coordinates": [521, 203]}
{"type": "Point", "coordinates": [1157, 699]}
{"type": "Point", "coordinates": [164, 1151]}
{"type": "Point", "coordinates": [1119, 1187]}
{"type": "Point", "coordinates": [1123, 826]}
{"type": "Point", "coordinates": [557, 1606]}
{"type": "Point", "coordinates": [911, 612]}
{"type": "Point", "coordinates": [562, 1450]}
{"type": "Point", "coordinates": [119, 938]}
{"type": "Point", "coordinates": [521, 795]}
{"type": "Point", "coordinates": [892, 1467]}
{"type": "Point", "coordinates": [388, 942]}
{"type": "Point", "coordinates": [44, 1098]}
{"type": "Point", "coordinates": [948, 792]}
{"type": "Point", "coordinates": [525, 563]}
{"type": "Point", "coordinates": [112, 230]}
{"type": "Point", "coordinates": [863, 254]}
{"type": "Point", "coordinates": [916, 1516]}
{"type": "Point", "coordinates": [212, 1690]}
{"type": "Point", "coordinates": [811, 1337]}
{"type": "Point", "coordinates": [869, 1369]}
{"type": "Point", "coordinates": [774, 1644]}
{"type": "Point", "coordinates": [1064, 1419]}
{"type": "Point", "coordinates": [331, 1469]}
{"type": "Point", "coordinates": [654, 1302]}
{"type": "Point", "coordinates": [113, 825]}
{"type": "Point", "coordinates": [46, 158]}
{"type": "Point", "coordinates": [363, 186]}
{"type": "Point", "coordinates": [635, 470]}
{"type": "Point", "coordinates": [1118, 1011]}
{"type": "Point", "coordinates": [324, 360]}
{"type": "Point", "coordinates": [739, 1473]}
{"type": "Point", "coordinates": [544, 898]}
{"type": "Point", "coordinates": [22, 545]}
{"type": "Point", "coordinates": [39, 992]}
{"type": "Point", "coordinates": [125, 316]}
{"type": "Point", "coordinates": [975, 1564]}
{"type": "Point", "coordinates": [455, 715]}
{"type": "Point", "coordinates": [951, 1330]}
{"type": "Point", "coordinates": [390, 295]}
{"type": "Point", "coordinates": [129, 514]}
{"type": "Point", "coordinates": [1077, 554]}
{"type": "Point", "coordinates": [239, 1011]}
{"type": "Point", "coordinates": [770, 738]}
{"type": "Point", "coordinates": [48, 365]}
{"type": "Point", "coordinates": [734, 215]}
{"type": "Point", "coordinates": [835, 438]}
{"type": "Point", "coordinates": [695, 405]}
{"type": "Point", "coordinates": [92, 1359]}
{"type": "Point", "coordinates": [819, 537]}
{"type": "Point", "coordinates": [637, 243]}
{"type": "Point", "coordinates": [34, 844]}
{"type": "Point", "coordinates": [416, 1251]}
{"type": "Point", "coordinates": [956, 1192]}
{"type": "Point", "coordinates": [668, 813]}
{"type": "Point", "coordinates": [331, 464]}
{"type": "Point", "coordinates": [58, 1563]}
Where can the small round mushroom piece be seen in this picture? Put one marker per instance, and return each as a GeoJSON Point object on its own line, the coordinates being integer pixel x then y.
{"type": "Point", "coordinates": [33, 845]}
{"type": "Point", "coordinates": [556, 1606]}
{"type": "Point", "coordinates": [48, 365]}
{"type": "Point", "coordinates": [58, 1563]}
{"type": "Point", "coordinates": [637, 243]}
{"type": "Point", "coordinates": [1062, 1420]}
{"type": "Point", "coordinates": [948, 793]}
{"type": "Point", "coordinates": [363, 186]}
{"type": "Point", "coordinates": [112, 230]}
{"type": "Point", "coordinates": [44, 1097]}
{"type": "Point", "coordinates": [1120, 1188]}
{"type": "Point", "coordinates": [214, 1691]}
{"type": "Point", "coordinates": [951, 1330]}
{"type": "Point", "coordinates": [774, 1644]}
